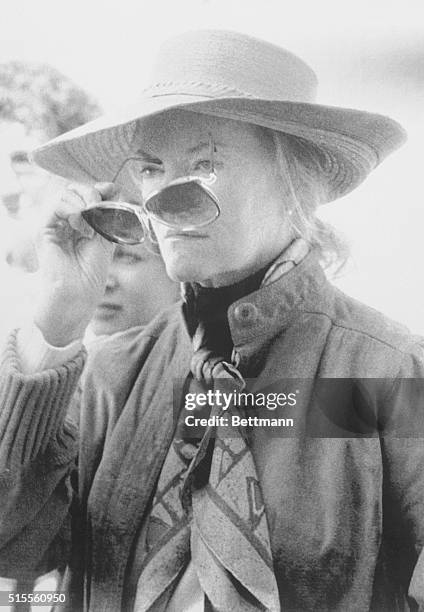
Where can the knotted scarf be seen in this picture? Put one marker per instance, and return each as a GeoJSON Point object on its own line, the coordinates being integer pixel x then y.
{"type": "Point", "coordinates": [208, 506]}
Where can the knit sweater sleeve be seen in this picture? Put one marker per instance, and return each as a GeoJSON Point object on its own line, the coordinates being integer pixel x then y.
{"type": "Point", "coordinates": [38, 448]}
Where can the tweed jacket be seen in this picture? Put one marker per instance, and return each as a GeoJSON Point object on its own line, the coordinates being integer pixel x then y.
{"type": "Point", "coordinates": [80, 457]}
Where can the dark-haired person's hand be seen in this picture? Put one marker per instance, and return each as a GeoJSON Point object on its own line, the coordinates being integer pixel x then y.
{"type": "Point", "coordinates": [74, 262]}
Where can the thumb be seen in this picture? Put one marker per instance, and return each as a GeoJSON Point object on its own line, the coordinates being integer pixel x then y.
{"type": "Point", "coordinates": [108, 191]}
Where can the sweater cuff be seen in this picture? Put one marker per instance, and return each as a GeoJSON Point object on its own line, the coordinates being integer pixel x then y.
{"type": "Point", "coordinates": [33, 407]}
{"type": "Point", "coordinates": [36, 354]}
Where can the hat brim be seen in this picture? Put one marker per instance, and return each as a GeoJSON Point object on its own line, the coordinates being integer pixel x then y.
{"type": "Point", "coordinates": [351, 142]}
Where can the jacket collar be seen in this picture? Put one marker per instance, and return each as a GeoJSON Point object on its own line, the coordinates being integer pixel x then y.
{"type": "Point", "coordinates": [258, 317]}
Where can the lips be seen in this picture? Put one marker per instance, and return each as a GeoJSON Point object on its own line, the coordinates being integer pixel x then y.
{"type": "Point", "coordinates": [111, 305]}
{"type": "Point", "coordinates": [108, 308]}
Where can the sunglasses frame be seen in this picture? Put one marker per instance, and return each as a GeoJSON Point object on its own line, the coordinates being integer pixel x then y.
{"type": "Point", "coordinates": [141, 211]}
{"type": "Point", "coordinates": [203, 183]}
{"type": "Point", "coordinates": [126, 206]}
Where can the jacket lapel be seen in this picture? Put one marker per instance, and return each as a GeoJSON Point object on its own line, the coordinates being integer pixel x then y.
{"type": "Point", "coordinates": [126, 478]}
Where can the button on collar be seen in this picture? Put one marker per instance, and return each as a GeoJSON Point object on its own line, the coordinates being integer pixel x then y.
{"type": "Point", "coordinates": [246, 313]}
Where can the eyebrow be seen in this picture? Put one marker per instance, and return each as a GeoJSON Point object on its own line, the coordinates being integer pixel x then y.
{"type": "Point", "coordinates": [205, 145]}
{"type": "Point", "coordinates": [150, 158]}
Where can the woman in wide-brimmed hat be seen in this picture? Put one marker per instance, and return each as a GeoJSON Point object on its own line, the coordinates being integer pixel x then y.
{"type": "Point", "coordinates": [247, 450]}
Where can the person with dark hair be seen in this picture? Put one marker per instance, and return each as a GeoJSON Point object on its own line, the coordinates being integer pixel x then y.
{"type": "Point", "coordinates": [152, 474]}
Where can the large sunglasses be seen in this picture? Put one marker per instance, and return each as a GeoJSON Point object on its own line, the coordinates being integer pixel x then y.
{"type": "Point", "coordinates": [185, 203]}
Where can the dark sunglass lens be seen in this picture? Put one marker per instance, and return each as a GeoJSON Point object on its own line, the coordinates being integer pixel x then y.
{"type": "Point", "coordinates": [184, 205]}
{"type": "Point", "coordinates": [117, 225]}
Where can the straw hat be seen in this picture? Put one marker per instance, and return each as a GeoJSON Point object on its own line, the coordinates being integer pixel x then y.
{"type": "Point", "coordinates": [234, 76]}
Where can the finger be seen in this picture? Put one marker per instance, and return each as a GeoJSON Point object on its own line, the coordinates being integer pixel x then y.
{"type": "Point", "coordinates": [70, 203]}
{"type": "Point", "coordinates": [79, 224]}
{"type": "Point", "coordinates": [64, 217]}
{"type": "Point", "coordinates": [87, 193]}
{"type": "Point", "coordinates": [108, 191]}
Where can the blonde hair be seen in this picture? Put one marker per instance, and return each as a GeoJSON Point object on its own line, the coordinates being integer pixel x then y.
{"type": "Point", "coordinates": [301, 167]}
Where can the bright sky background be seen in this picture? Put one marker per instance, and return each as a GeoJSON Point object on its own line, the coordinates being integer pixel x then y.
{"type": "Point", "coordinates": [367, 53]}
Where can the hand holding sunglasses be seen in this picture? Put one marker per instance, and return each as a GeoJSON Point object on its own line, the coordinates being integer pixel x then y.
{"type": "Point", "coordinates": [185, 203]}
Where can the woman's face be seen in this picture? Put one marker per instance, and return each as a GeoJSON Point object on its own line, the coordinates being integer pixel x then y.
{"type": "Point", "coordinates": [137, 289]}
{"type": "Point", "coordinates": [251, 229]}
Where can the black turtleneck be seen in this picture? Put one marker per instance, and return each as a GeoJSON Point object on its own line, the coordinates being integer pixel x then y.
{"type": "Point", "coordinates": [206, 308]}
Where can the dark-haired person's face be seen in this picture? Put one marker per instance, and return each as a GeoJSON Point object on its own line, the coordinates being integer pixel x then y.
{"type": "Point", "coordinates": [251, 229]}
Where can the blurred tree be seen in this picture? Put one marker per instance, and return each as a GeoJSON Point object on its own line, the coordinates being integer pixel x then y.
{"type": "Point", "coordinates": [37, 103]}
{"type": "Point", "coordinates": [43, 99]}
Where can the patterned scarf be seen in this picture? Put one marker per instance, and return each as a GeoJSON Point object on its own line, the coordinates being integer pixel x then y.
{"type": "Point", "coordinates": [208, 505]}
